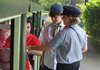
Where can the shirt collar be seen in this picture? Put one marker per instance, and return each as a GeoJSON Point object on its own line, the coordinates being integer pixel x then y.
{"type": "Point", "coordinates": [75, 25]}
{"type": "Point", "coordinates": [61, 24]}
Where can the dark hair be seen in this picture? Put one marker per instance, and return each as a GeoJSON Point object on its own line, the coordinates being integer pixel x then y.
{"type": "Point", "coordinates": [54, 14]}
{"type": "Point", "coordinates": [29, 20]}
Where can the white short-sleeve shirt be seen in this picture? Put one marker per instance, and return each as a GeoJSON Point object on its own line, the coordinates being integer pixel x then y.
{"type": "Point", "coordinates": [46, 36]}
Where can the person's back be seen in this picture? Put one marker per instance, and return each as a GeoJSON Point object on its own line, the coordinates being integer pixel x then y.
{"type": "Point", "coordinates": [72, 43]}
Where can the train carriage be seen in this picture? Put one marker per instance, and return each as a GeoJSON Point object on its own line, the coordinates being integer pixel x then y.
{"type": "Point", "coordinates": [16, 12]}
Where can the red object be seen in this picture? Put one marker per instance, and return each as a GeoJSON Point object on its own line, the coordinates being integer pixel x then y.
{"type": "Point", "coordinates": [7, 44]}
{"type": "Point", "coordinates": [66, 26]}
{"type": "Point", "coordinates": [28, 65]}
{"type": "Point", "coordinates": [31, 40]}
{"type": "Point", "coordinates": [2, 39]}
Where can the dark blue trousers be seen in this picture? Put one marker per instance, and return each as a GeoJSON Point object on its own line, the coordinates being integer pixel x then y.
{"type": "Point", "coordinates": [73, 66]}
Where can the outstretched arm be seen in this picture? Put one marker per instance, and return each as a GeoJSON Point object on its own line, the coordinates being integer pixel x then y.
{"type": "Point", "coordinates": [39, 48]}
{"type": "Point", "coordinates": [34, 52]}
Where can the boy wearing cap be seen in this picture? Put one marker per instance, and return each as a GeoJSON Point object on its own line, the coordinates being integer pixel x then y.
{"type": "Point", "coordinates": [48, 34]}
{"type": "Point", "coordinates": [69, 43]}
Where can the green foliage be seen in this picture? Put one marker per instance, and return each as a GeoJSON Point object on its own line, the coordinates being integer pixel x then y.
{"type": "Point", "coordinates": [47, 3]}
{"type": "Point", "coordinates": [94, 0]}
{"type": "Point", "coordinates": [91, 17]}
{"type": "Point", "coordinates": [81, 6]}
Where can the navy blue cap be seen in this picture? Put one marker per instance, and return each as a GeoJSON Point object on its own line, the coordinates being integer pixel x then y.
{"type": "Point", "coordinates": [71, 11]}
{"type": "Point", "coordinates": [56, 8]}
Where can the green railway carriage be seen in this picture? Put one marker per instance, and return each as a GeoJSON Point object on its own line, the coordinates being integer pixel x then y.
{"type": "Point", "coordinates": [16, 11]}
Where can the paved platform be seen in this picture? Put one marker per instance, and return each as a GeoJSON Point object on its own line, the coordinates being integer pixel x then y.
{"type": "Point", "coordinates": [91, 59]}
